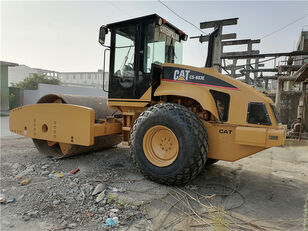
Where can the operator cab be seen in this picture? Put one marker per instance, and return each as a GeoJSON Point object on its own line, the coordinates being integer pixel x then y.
{"type": "Point", "coordinates": [136, 46]}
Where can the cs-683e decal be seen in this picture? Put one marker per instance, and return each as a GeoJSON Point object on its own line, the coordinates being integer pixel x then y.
{"type": "Point", "coordinates": [193, 77]}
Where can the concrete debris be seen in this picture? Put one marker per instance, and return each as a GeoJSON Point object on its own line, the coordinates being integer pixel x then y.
{"type": "Point", "coordinates": [114, 189]}
{"type": "Point", "coordinates": [33, 213]}
{"type": "Point", "coordinates": [25, 217]}
{"type": "Point", "coordinates": [71, 225]}
{"type": "Point", "coordinates": [101, 210]}
{"type": "Point", "coordinates": [15, 166]}
{"type": "Point", "coordinates": [44, 173]}
{"type": "Point", "coordinates": [87, 188]}
{"type": "Point", "coordinates": [99, 188]}
{"type": "Point", "coordinates": [100, 197]}
{"type": "Point", "coordinates": [20, 197]}
{"type": "Point", "coordinates": [114, 210]}
{"type": "Point", "coordinates": [56, 202]}
{"type": "Point", "coordinates": [2, 198]}
{"type": "Point", "coordinates": [26, 172]}
{"type": "Point", "coordinates": [72, 185]}
{"type": "Point", "coordinates": [44, 167]}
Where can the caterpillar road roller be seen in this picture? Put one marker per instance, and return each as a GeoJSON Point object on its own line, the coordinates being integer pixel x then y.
{"type": "Point", "coordinates": [175, 118]}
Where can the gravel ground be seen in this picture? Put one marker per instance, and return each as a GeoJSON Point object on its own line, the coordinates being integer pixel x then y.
{"type": "Point", "coordinates": [266, 191]}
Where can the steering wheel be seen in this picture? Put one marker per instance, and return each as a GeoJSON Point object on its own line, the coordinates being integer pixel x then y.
{"type": "Point", "coordinates": [129, 67]}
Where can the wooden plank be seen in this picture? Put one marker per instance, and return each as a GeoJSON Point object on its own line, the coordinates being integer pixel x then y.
{"type": "Point", "coordinates": [239, 42]}
{"type": "Point", "coordinates": [260, 56]}
{"type": "Point", "coordinates": [230, 67]}
{"type": "Point", "coordinates": [205, 38]}
{"type": "Point", "coordinates": [239, 53]}
{"type": "Point", "coordinates": [223, 22]}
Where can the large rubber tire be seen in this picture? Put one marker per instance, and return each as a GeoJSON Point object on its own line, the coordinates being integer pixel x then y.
{"type": "Point", "coordinates": [192, 139]}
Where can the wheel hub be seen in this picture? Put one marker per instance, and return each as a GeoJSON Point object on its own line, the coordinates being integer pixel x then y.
{"type": "Point", "coordinates": [160, 146]}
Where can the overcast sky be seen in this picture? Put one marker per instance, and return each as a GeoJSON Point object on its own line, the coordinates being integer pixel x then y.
{"type": "Point", "coordinates": [63, 36]}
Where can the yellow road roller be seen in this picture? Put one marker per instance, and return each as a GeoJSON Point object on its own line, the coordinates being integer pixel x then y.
{"type": "Point", "coordinates": [175, 118]}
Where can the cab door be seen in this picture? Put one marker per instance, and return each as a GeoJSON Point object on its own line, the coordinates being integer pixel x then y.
{"type": "Point", "coordinates": [130, 75]}
{"type": "Point", "coordinates": [123, 61]}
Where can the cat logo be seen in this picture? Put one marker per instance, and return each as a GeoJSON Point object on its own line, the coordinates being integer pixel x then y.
{"type": "Point", "coordinates": [181, 75]}
{"type": "Point", "coordinates": [225, 131]}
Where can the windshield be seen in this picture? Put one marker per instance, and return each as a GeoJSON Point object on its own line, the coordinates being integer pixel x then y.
{"type": "Point", "coordinates": [161, 46]}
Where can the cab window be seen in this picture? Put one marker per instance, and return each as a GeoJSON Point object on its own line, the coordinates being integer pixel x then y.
{"type": "Point", "coordinates": [160, 48]}
{"type": "Point", "coordinates": [257, 114]}
{"type": "Point", "coordinates": [222, 101]}
{"type": "Point", "coordinates": [125, 51]}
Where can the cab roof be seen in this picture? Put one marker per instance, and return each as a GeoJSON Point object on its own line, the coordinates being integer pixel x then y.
{"type": "Point", "coordinates": [143, 18]}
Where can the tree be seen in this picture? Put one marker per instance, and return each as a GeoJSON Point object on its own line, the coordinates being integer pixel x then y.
{"type": "Point", "coordinates": [31, 82]}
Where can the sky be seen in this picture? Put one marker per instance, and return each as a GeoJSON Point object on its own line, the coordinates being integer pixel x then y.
{"type": "Point", "coordinates": [63, 35]}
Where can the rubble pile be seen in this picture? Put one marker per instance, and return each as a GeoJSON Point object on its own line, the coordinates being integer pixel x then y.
{"type": "Point", "coordinates": [64, 200]}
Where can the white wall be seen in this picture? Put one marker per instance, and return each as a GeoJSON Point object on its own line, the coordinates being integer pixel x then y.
{"type": "Point", "coordinates": [32, 96]}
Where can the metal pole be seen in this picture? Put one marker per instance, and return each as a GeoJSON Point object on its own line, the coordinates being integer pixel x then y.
{"type": "Point", "coordinates": [217, 49]}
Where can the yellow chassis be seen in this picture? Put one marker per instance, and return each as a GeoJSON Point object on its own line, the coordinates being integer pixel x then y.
{"type": "Point", "coordinates": [73, 124]}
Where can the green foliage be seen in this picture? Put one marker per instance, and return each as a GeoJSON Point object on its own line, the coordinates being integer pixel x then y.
{"type": "Point", "coordinates": [31, 82]}
{"type": "Point", "coordinates": [11, 100]}
{"type": "Point", "coordinates": [120, 203]}
{"type": "Point", "coordinates": [111, 198]}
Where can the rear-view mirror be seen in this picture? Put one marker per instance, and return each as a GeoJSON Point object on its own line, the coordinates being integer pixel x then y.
{"type": "Point", "coordinates": [102, 34]}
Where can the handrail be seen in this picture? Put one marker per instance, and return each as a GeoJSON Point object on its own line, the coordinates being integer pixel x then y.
{"type": "Point", "coordinates": [104, 69]}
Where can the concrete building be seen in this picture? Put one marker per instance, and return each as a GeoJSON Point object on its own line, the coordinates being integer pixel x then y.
{"type": "Point", "coordinates": [4, 86]}
{"type": "Point", "coordinates": [77, 79]}
{"type": "Point", "coordinates": [302, 45]}
{"type": "Point", "coordinates": [19, 73]}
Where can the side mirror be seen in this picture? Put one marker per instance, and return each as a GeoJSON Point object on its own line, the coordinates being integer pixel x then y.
{"type": "Point", "coordinates": [102, 34]}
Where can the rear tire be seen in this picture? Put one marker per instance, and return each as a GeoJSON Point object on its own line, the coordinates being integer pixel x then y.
{"type": "Point", "coordinates": [148, 149]}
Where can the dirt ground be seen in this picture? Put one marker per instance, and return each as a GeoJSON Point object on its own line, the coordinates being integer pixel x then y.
{"type": "Point", "coordinates": [266, 191]}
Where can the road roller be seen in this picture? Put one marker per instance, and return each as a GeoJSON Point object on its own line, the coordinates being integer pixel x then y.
{"type": "Point", "coordinates": [176, 119]}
